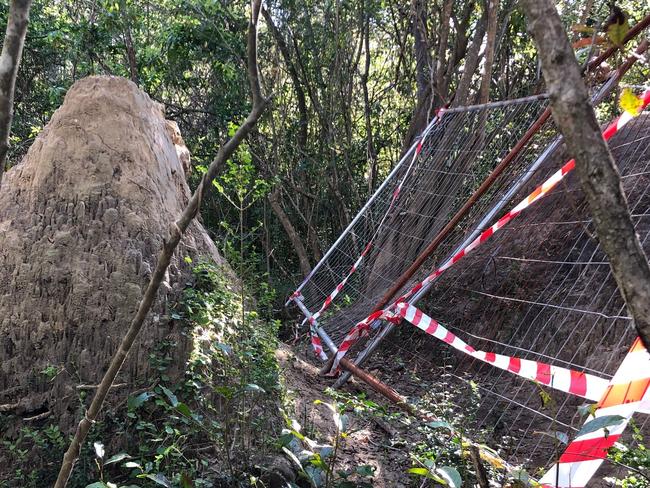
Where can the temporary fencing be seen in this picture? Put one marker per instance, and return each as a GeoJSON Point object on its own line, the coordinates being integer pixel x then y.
{"type": "Point", "coordinates": [541, 290]}
{"type": "Point", "coordinates": [361, 327]}
{"type": "Point", "coordinates": [538, 289]}
{"type": "Point", "coordinates": [430, 183]}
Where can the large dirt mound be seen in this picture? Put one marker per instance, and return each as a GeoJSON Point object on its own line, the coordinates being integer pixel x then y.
{"type": "Point", "coordinates": [82, 219]}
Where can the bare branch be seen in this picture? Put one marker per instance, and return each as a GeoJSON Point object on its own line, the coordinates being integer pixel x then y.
{"type": "Point", "coordinates": [176, 232]}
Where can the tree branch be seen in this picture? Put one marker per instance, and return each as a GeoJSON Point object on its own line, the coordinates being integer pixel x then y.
{"type": "Point", "coordinates": [595, 165]}
{"type": "Point", "coordinates": [176, 231]}
{"type": "Point", "coordinates": [12, 51]}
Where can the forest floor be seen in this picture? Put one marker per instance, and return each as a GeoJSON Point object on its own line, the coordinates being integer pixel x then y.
{"type": "Point", "coordinates": [392, 442]}
{"type": "Point", "coordinates": [371, 440]}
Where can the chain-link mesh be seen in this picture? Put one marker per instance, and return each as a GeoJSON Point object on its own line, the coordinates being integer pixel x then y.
{"type": "Point", "coordinates": [457, 153]}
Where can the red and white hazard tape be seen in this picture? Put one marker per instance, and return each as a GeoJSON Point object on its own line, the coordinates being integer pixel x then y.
{"type": "Point", "coordinates": [563, 379]}
{"type": "Point", "coordinates": [627, 393]}
{"type": "Point", "coordinates": [317, 344]}
{"type": "Point", "coordinates": [361, 328]}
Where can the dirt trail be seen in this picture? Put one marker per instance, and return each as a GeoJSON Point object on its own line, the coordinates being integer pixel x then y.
{"type": "Point", "coordinates": [371, 441]}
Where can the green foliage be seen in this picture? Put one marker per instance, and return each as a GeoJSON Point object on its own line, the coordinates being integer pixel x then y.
{"type": "Point", "coordinates": [317, 464]}
{"type": "Point", "coordinates": [634, 458]}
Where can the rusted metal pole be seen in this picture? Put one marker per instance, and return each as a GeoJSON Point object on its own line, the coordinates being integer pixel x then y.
{"type": "Point", "coordinates": [378, 386]}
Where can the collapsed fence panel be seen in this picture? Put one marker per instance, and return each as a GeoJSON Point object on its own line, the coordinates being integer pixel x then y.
{"type": "Point", "coordinates": [588, 304]}
{"type": "Point", "coordinates": [431, 183]}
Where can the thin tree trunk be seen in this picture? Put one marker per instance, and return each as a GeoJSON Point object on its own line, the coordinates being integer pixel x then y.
{"type": "Point", "coordinates": [595, 166]}
{"type": "Point", "coordinates": [441, 57]}
{"type": "Point", "coordinates": [12, 51]}
{"type": "Point", "coordinates": [295, 79]}
{"type": "Point", "coordinates": [176, 231]}
{"type": "Point", "coordinates": [372, 154]}
{"type": "Point", "coordinates": [130, 54]}
{"type": "Point", "coordinates": [298, 246]}
{"type": "Point", "coordinates": [471, 63]}
{"type": "Point", "coordinates": [492, 9]}
{"type": "Point", "coordinates": [422, 73]}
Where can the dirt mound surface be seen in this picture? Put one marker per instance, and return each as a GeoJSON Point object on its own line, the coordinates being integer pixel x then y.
{"type": "Point", "coordinates": [82, 219]}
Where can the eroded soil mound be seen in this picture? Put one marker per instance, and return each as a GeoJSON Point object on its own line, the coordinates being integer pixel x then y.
{"type": "Point", "coordinates": [82, 219]}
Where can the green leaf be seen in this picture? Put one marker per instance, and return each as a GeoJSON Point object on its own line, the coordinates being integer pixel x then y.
{"type": "Point", "coordinates": [172, 398]}
{"type": "Point", "coordinates": [186, 481]}
{"type": "Point", "coordinates": [520, 475]}
{"type": "Point", "coordinates": [440, 424]}
{"type": "Point", "coordinates": [285, 439]}
{"type": "Point", "coordinates": [617, 32]}
{"type": "Point", "coordinates": [318, 461]}
{"type": "Point", "coordinates": [419, 471]}
{"type": "Point", "coordinates": [225, 348]}
{"type": "Point", "coordinates": [562, 437]}
{"type": "Point", "coordinates": [134, 402]}
{"type": "Point", "coordinates": [587, 409]}
{"type": "Point", "coordinates": [97, 484]}
{"type": "Point", "coordinates": [252, 387]}
{"type": "Point", "coordinates": [184, 410]}
{"type": "Point", "coordinates": [117, 458]}
{"type": "Point", "coordinates": [366, 470]}
{"type": "Point", "coordinates": [451, 476]}
{"type": "Point", "coordinates": [326, 451]}
{"type": "Point", "coordinates": [132, 464]}
{"type": "Point", "coordinates": [160, 479]}
{"type": "Point", "coordinates": [600, 423]}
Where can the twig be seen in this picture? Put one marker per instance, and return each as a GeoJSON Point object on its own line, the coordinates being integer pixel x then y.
{"type": "Point", "coordinates": [176, 231]}
{"type": "Point", "coordinates": [40, 416]}
{"type": "Point", "coordinates": [9, 406]}
{"type": "Point", "coordinates": [481, 475]}
{"type": "Point", "coordinates": [94, 387]}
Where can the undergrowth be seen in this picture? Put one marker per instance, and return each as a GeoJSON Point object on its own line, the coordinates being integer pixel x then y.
{"type": "Point", "coordinates": [204, 429]}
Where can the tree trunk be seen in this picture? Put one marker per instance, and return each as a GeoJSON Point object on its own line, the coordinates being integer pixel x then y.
{"type": "Point", "coordinates": [492, 9]}
{"type": "Point", "coordinates": [12, 51]}
{"type": "Point", "coordinates": [595, 166]}
{"type": "Point", "coordinates": [298, 246]}
{"type": "Point", "coordinates": [471, 63]}
{"type": "Point", "coordinates": [422, 74]}
{"type": "Point", "coordinates": [295, 79]}
{"type": "Point", "coordinates": [441, 57]}
{"type": "Point", "coordinates": [372, 154]}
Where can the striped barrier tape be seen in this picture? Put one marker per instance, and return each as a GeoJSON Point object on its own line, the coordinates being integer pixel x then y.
{"type": "Point", "coordinates": [627, 393]}
{"type": "Point", "coordinates": [317, 344]}
{"type": "Point", "coordinates": [577, 383]}
{"type": "Point", "coordinates": [361, 328]}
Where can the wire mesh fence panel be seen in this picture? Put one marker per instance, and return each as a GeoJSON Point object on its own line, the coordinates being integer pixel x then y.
{"type": "Point", "coordinates": [429, 186]}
